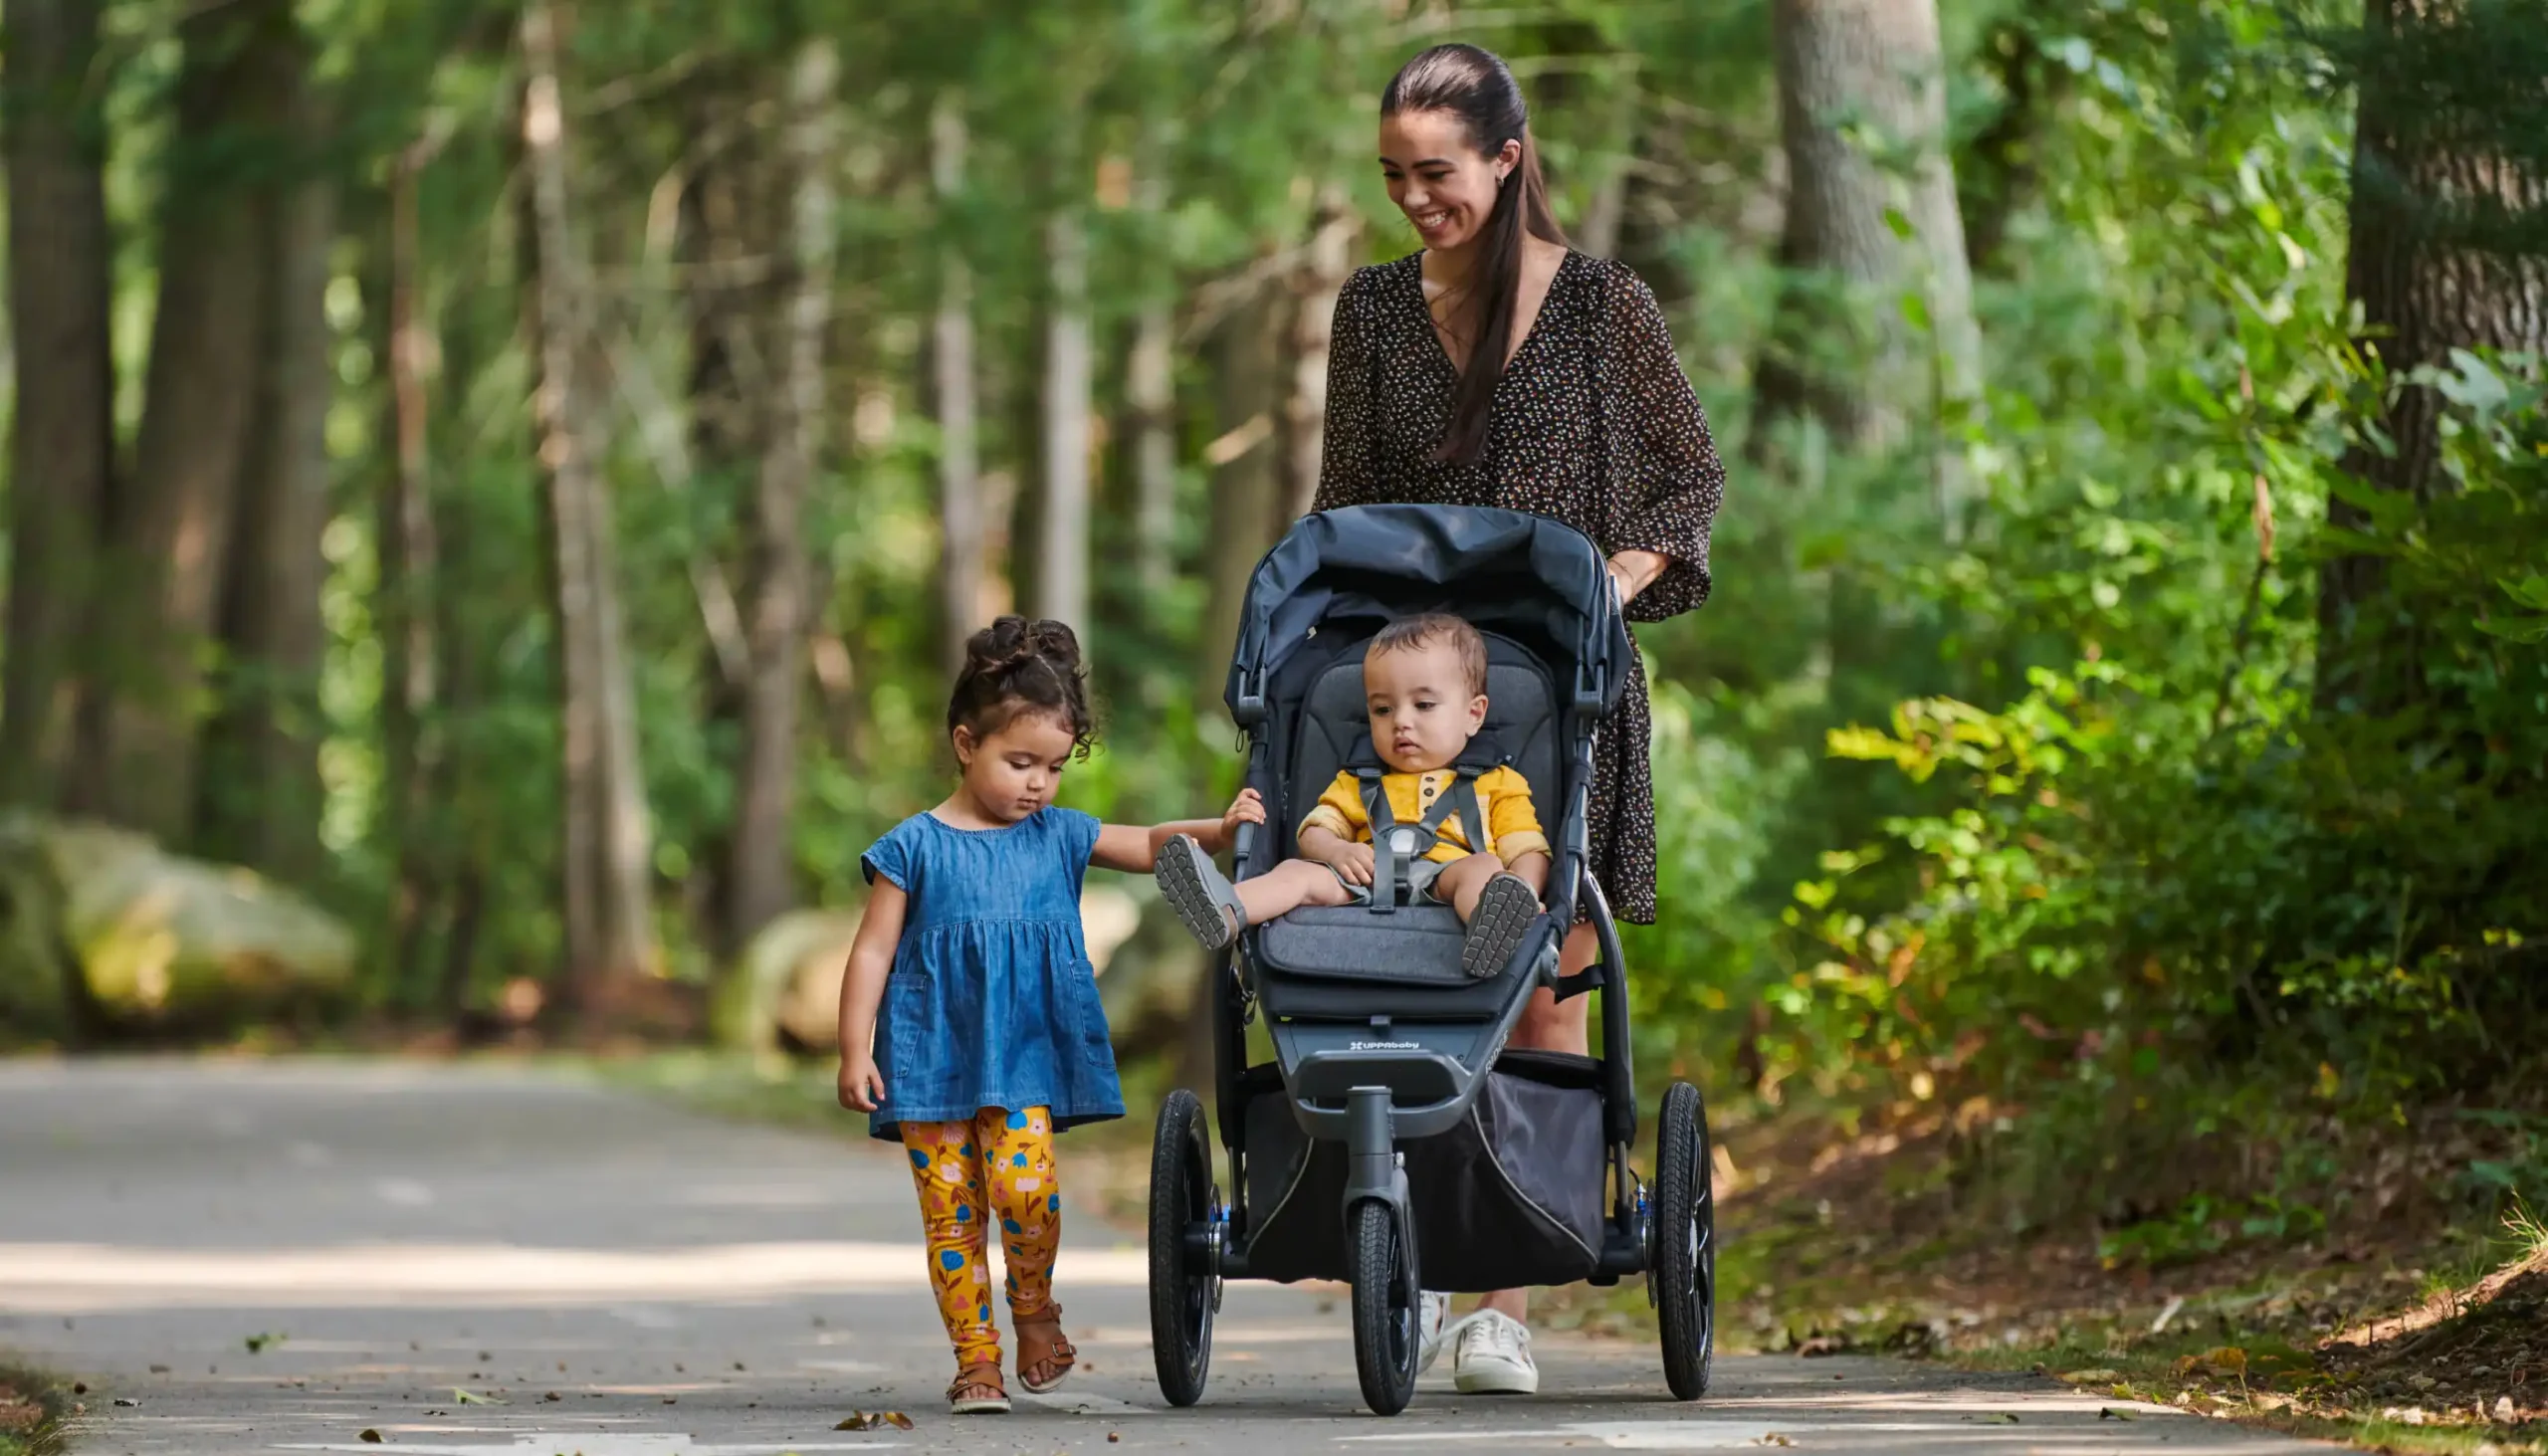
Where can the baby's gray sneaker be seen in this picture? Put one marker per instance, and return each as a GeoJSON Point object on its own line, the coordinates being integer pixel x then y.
{"type": "Point", "coordinates": [1504, 909]}
{"type": "Point", "coordinates": [1200, 894]}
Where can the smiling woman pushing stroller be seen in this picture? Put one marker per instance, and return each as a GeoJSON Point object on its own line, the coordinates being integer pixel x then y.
{"type": "Point", "coordinates": [1497, 367]}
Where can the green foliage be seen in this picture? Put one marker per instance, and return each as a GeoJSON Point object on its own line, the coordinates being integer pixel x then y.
{"type": "Point", "coordinates": [2054, 812]}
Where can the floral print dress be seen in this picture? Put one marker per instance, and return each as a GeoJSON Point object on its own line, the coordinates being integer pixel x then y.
{"type": "Point", "coordinates": [1594, 424]}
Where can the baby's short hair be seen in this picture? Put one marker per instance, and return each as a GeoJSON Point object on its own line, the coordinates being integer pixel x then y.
{"type": "Point", "coordinates": [1414, 633]}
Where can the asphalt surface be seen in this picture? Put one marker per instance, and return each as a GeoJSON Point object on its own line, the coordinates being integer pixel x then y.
{"type": "Point", "coordinates": [492, 1260]}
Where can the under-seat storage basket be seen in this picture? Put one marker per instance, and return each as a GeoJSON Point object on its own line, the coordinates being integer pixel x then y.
{"type": "Point", "coordinates": [1510, 1197]}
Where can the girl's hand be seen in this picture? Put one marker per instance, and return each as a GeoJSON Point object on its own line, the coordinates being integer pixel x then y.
{"type": "Point", "coordinates": [862, 1087]}
{"type": "Point", "coordinates": [1352, 861]}
{"type": "Point", "coordinates": [1247, 808]}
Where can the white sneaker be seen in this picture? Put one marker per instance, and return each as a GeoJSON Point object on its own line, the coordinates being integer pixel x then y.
{"type": "Point", "coordinates": [1431, 1318]}
{"type": "Point", "coordinates": [1493, 1357]}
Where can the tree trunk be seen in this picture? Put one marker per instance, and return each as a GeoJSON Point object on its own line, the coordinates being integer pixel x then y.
{"type": "Point", "coordinates": [261, 798]}
{"type": "Point", "coordinates": [409, 552]}
{"type": "Point", "coordinates": [1603, 216]}
{"type": "Point", "coordinates": [1247, 483]}
{"type": "Point", "coordinates": [1150, 391]}
{"type": "Point", "coordinates": [1845, 64]}
{"type": "Point", "coordinates": [2006, 171]}
{"type": "Point", "coordinates": [61, 456]}
{"type": "Point", "coordinates": [777, 610]}
{"type": "Point", "coordinates": [605, 852]}
{"type": "Point", "coordinates": [964, 515]}
{"type": "Point", "coordinates": [1061, 576]}
{"type": "Point", "coordinates": [2432, 174]}
{"type": "Point", "coordinates": [172, 548]}
{"type": "Point", "coordinates": [1325, 266]}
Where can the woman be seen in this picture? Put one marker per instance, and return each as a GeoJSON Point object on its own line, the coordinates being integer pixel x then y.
{"type": "Point", "coordinates": [1497, 367]}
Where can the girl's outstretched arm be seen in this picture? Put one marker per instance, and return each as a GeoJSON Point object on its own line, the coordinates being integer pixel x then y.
{"type": "Point", "coordinates": [1133, 849]}
{"type": "Point", "coordinates": [862, 990]}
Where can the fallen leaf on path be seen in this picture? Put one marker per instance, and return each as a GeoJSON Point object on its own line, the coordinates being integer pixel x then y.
{"type": "Point", "coordinates": [466, 1399]}
{"type": "Point", "coordinates": [868, 1420]}
{"type": "Point", "coordinates": [126, 1401]}
{"type": "Point", "coordinates": [1998, 1418]}
{"type": "Point", "coordinates": [1773, 1438]}
{"type": "Point", "coordinates": [369, 1436]}
{"type": "Point", "coordinates": [2108, 1413]}
{"type": "Point", "coordinates": [1822, 1345]}
{"type": "Point", "coordinates": [158, 1370]}
{"type": "Point", "coordinates": [2089, 1377]}
{"type": "Point", "coordinates": [256, 1343]}
{"type": "Point", "coordinates": [553, 1396]}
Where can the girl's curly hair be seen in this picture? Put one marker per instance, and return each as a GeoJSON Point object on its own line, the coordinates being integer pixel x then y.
{"type": "Point", "coordinates": [1015, 667]}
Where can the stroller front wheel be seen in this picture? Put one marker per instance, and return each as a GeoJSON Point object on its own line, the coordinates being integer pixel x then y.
{"type": "Point", "coordinates": [1185, 1291]}
{"type": "Point", "coordinates": [1388, 1302]}
{"type": "Point", "coordinates": [1684, 1265]}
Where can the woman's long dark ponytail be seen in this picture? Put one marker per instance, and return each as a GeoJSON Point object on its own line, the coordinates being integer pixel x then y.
{"type": "Point", "coordinates": [1478, 88]}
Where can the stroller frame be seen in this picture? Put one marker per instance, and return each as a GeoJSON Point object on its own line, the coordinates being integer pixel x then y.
{"type": "Point", "coordinates": [1379, 1060]}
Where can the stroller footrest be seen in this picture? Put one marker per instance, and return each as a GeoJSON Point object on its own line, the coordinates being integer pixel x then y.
{"type": "Point", "coordinates": [1418, 944]}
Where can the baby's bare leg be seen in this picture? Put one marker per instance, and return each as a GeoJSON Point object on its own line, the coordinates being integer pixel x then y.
{"type": "Point", "coordinates": [1287, 887]}
{"type": "Point", "coordinates": [1461, 880]}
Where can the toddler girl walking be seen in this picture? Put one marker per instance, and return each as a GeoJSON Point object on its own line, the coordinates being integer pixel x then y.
{"type": "Point", "coordinates": [969, 1024]}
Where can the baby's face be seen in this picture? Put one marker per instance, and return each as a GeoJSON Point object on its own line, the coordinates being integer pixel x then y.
{"type": "Point", "coordinates": [1424, 712]}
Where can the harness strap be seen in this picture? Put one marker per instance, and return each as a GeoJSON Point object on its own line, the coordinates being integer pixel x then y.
{"type": "Point", "coordinates": [1426, 833]}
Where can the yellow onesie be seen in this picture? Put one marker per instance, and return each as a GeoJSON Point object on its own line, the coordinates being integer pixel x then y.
{"type": "Point", "coordinates": [1503, 803]}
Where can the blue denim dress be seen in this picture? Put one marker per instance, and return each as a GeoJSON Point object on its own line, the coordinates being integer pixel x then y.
{"type": "Point", "coordinates": [992, 1000]}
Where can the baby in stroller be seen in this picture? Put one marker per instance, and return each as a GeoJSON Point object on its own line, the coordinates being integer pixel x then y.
{"type": "Point", "coordinates": [1428, 823]}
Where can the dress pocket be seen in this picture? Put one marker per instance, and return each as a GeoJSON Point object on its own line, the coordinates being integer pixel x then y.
{"type": "Point", "coordinates": [906, 1016]}
{"type": "Point", "coordinates": [1096, 1038]}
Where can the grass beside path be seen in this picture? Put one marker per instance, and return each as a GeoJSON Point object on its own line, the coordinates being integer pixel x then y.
{"type": "Point", "coordinates": [33, 1410]}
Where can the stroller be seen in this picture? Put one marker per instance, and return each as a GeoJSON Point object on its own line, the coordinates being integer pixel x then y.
{"type": "Point", "coordinates": [1394, 1141]}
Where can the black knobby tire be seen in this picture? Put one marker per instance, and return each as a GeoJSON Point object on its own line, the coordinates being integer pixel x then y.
{"type": "Point", "coordinates": [1684, 1272]}
{"type": "Point", "coordinates": [1386, 1307]}
{"type": "Point", "coordinates": [1182, 1297]}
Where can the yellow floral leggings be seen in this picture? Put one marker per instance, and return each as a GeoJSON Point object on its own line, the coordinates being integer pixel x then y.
{"type": "Point", "coordinates": [1005, 1160]}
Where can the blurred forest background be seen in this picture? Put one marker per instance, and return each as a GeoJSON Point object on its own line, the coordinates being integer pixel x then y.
{"type": "Point", "coordinates": [495, 487]}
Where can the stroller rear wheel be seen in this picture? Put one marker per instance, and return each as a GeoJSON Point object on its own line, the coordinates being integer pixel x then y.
{"type": "Point", "coordinates": [1184, 1214]}
{"type": "Point", "coordinates": [1683, 1269]}
{"type": "Point", "coordinates": [1387, 1306]}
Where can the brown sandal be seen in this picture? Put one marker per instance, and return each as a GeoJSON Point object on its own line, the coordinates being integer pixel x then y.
{"type": "Point", "coordinates": [1057, 1360]}
{"type": "Point", "coordinates": [979, 1390]}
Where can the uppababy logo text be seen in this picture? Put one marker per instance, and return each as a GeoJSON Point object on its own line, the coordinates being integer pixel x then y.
{"type": "Point", "coordinates": [1385, 1046]}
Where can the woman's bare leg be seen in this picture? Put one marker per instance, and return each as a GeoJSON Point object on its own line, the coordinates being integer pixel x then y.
{"type": "Point", "coordinates": [1549, 1026]}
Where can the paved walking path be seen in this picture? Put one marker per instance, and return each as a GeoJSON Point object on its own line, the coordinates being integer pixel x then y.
{"type": "Point", "coordinates": [602, 1274]}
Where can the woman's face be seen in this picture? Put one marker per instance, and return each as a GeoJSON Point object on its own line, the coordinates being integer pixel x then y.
{"type": "Point", "coordinates": [1438, 179]}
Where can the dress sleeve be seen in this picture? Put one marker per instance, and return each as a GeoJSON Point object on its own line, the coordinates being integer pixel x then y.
{"type": "Point", "coordinates": [1345, 463]}
{"type": "Point", "coordinates": [1340, 809]}
{"type": "Point", "coordinates": [890, 859]}
{"type": "Point", "coordinates": [1663, 456]}
{"type": "Point", "coordinates": [1078, 834]}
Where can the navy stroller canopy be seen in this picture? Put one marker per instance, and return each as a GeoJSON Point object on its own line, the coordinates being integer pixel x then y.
{"type": "Point", "coordinates": [1539, 581]}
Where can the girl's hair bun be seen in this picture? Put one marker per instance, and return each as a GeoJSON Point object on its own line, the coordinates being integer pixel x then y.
{"type": "Point", "coordinates": [1016, 665]}
{"type": "Point", "coordinates": [1013, 642]}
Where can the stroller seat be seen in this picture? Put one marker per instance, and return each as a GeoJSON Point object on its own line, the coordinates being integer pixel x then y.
{"type": "Point", "coordinates": [1350, 962]}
